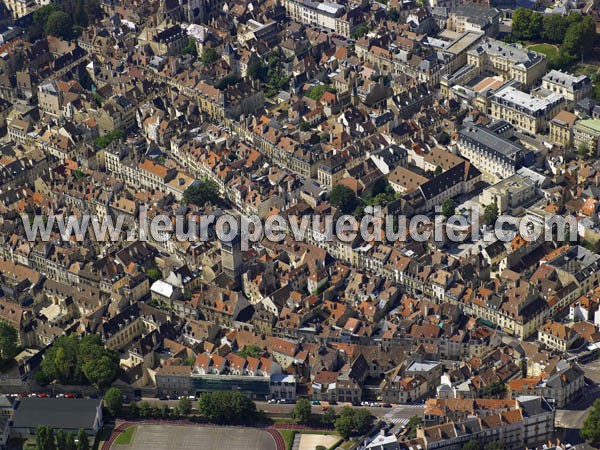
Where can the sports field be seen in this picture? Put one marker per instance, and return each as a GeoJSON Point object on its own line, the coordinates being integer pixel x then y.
{"type": "Point", "coordinates": [169, 437]}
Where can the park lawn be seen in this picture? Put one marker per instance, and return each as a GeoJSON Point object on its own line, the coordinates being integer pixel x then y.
{"type": "Point", "coordinates": [125, 437]}
{"type": "Point", "coordinates": [549, 50]}
{"type": "Point", "coordinates": [288, 437]}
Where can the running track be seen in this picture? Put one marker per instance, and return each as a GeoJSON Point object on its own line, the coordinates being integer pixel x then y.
{"type": "Point", "coordinates": [279, 442]}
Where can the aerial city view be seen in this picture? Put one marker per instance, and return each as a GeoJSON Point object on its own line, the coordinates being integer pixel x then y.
{"type": "Point", "coordinates": [299, 224]}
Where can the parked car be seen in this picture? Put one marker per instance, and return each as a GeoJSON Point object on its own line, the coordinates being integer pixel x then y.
{"type": "Point", "coordinates": [315, 402]}
{"type": "Point", "coordinates": [69, 396]}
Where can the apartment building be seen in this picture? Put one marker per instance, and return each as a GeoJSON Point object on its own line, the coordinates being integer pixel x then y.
{"type": "Point", "coordinates": [561, 127]}
{"type": "Point", "coordinates": [487, 148]}
{"type": "Point", "coordinates": [510, 193]}
{"type": "Point", "coordinates": [510, 61]}
{"type": "Point", "coordinates": [323, 14]}
{"type": "Point", "coordinates": [574, 88]}
{"type": "Point", "coordinates": [526, 112]}
{"type": "Point", "coordinates": [472, 18]}
{"type": "Point", "coordinates": [586, 133]}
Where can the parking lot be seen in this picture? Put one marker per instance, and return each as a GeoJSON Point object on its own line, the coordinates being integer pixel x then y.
{"type": "Point", "coordinates": [167, 437]}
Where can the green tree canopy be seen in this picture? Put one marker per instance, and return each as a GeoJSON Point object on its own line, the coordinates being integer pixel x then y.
{"type": "Point", "coordinates": [190, 48]}
{"type": "Point", "coordinates": [580, 37]}
{"type": "Point", "coordinates": [44, 438]}
{"type": "Point", "coordinates": [61, 440]}
{"type": "Point", "coordinates": [555, 28]}
{"type": "Point", "coordinates": [71, 360]}
{"type": "Point", "coordinates": [490, 214]}
{"type": "Point", "coordinates": [496, 389]}
{"type": "Point", "coordinates": [343, 198]}
{"type": "Point", "coordinates": [344, 426]}
{"type": "Point", "coordinates": [473, 444]}
{"type": "Point", "coordinates": [363, 420]}
{"type": "Point", "coordinates": [201, 193]}
{"type": "Point", "coordinates": [353, 420]}
{"type": "Point", "coordinates": [8, 342]}
{"type": "Point", "coordinates": [448, 207]}
{"type": "Point", "coordinates": [209, 56]}
{"type": "Point", "coordinates": [40, 15]}
{"type": "Point", "coordinates": [185, 406]}
{"type": "Point", "coordinates": [227, 407]}
{"type": "Point", "coordinates": [71, 441]}
{"type": "Point", "coordinates": [113, 400]}
{"type": "Point", "coordinates": [328, 417]}
{"type": "Point", "coordinates": [83, 442]}
{"type": "Point", "coordinates": [59, 24]}
{"type": "Point", "coordinates": [302, 411]}
{"type": "Point", "coordinates": [413, 423]}
{"type": "Point", "coordinates": [591, 426]}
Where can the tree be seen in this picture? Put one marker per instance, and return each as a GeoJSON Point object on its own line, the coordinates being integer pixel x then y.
{"type": "Point", "coordinates": [413, 423]}
{"type": "Point", "coordinates": [591, 426]}
{"type": "Point", "coordinates": [102, 371]}
{"type": "Point", "coordinates": [134, 410]}
{"type": "Point", "coordinates": [363, 420]}
{"type": "Point", "coordinates": [154, 274]}
{"type": "Point", "coordinates": [536, 25]}
{"type": "Point", "coordinates": [344, 426]}
{"type": "Point", "coordinates": [71, 360]}
{"type": "Point", "coordinates": [448, 207]}
{"type": "Point", "coordinates": [343, 198]}
{"type": "Point", "coordinates": [490, 214]}
{"type": "Point", "coordinates": [302, 411]}
{"type": "Point", "coordinates": [185, 406]}
{"type": "Point", "coordinates": [144, 409]}
{"type": "Point", "coordinates": [71, 441]}
{"type": "Point", "coordinates": [61, 440]}
{"type": "Point", "coordinates": [44, 438]}
{"type": "Point", "coordinates": [494, 445]}
{"type": "Point", "coordinates": [209, 56]}
{"type": "Point", "coordinates": [8, 342]}
{"type": "Point", "coordinates": [580, 37]}
{"type": "Point", "coordinates": [360, 31]}
{"type": "Point", "coordinates": [582, 150]}
{"type": "Point", "coordinates": [304, 126]}
{"type": "Point", "coordinates": [444, 138]}
{"type": "Point", "coordinates": [83, 442]}
{"type": "Point", "coordinates": [190, 48]}
{"type": "Point", "coordinates": [520, 23]}
{"type": "Point", "coordinates": [555, 28]}
{"type": "Point", "coordinates": [472, 445]}
{"type": "Point", "coordinates": [40, 15]}
{"type": "Point", "coordinates": [438, 171]}
{"type": "Point", "coordinates": [227, 407]}
{"type": "Point", "coordinates": [393, 14]}
{"type": "Point", "coordinates": [113, 399]}
{"type": "Point", "coordinates": [328, 417]}
{"type": "Point", "coordinates": [59, 24]}
{"type": "Point", "coordinates": [256, 69]}
{"type": "Point", "coordinates": [496, 389]}
{"type": "Point", "coordinates": [201, 193]}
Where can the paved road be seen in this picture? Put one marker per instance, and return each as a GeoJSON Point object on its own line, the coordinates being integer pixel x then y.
{"type": "Point", "coordinates": [399, 411]}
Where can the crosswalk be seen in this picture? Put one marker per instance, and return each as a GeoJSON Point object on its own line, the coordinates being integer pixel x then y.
{"type": "Point", "coordinates": [398, 421]}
